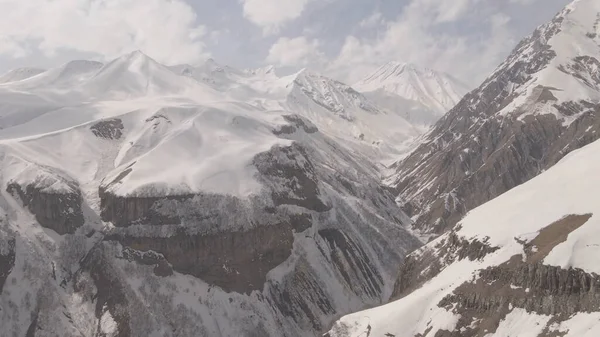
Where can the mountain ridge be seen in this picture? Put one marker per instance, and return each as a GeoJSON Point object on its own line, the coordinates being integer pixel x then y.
{"type": "Point", "coordinates": [524, 108]}
{"type": "Point", "coordinates": [435, 90]}
{"type": "Point", "coordinates": [137, 198]}
{"type": "Point", "coordinates": [502, 182]}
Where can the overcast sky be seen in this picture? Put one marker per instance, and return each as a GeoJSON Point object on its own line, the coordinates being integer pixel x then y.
{"type": "Point", "coordinates": [344, 39]}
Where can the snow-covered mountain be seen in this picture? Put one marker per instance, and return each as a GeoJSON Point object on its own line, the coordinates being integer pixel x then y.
{"type": "Point", "coordinates": [524, 264]}
{"type": "Point", "coordinates": [424, 95]}
{"type": "Point", "coordinates": [349, 115]}
{"type": "Point", "coordinates": [539, 105]}
{"type": "Point", "coordinates": [143, 200]}
{"type": "Point", "coordinates": [67, 76]}
{"type": "Point", "coordinates": [20, 74]}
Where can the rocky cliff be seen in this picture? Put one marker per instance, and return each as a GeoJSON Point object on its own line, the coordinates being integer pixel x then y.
{"type": "Point", "coordinates": [523, 264]}
{"type": "Point", "coordinates": [538, 106]}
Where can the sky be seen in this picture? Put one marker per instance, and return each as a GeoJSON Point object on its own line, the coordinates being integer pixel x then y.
{"type": "Point", "coordinates": [343, 39]}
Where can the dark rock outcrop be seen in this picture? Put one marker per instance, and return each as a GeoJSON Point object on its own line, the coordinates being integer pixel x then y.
{"type": "Point", "coordinates": [108, 129]}
{"type": "Point", "coordinates": [150, 258]}
{"type": "Point", "coordinates": [7, 258]}
{"type": "Point", "coordinates": [352, 262]}
{"type": "Point", "coordinates": [537, 288]}
{"type": "Point", "coordinates": [301, 296]}
{"type": "Point", "coordinates": [127, 211]}
{"type": "Point", "coordinates": [57, 210]}
{"type": "Point", "coordinates": [291, 177]}
{"type": "Point", "coordinates": [234, 261]}
{"type": "Point", "coordinates": [426, 263]}
{"type": "Point", "coordinates": [525, 282]}
{"type": "Point", "coordinates": [296, 123]}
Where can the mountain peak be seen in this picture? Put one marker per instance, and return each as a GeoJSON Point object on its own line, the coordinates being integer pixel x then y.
{"type": "Point", "coordinates": [266, 70]}
{"type": "Point", "coordinates": [397, 67]}
{"type": "Point", "coordinates": [436, 90]}
{"type": "Point", "coordinates": [136, 56]}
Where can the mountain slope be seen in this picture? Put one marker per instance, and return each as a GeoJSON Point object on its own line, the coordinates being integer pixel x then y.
{"type": "Point", "coordinates": [20, 74]}
{"type": "Point", "coordinates": [423, 93]}
{"type": "Point", "coordinates": [540, 104]}
{"type": "Point", "coordinates": [143, 202]}
{"type": "Point", "coordinates": [349, 115]}
{"type": "Point", "coordinates": [69, 75]}
{"type": "Point", "coordinates": [523, 264]}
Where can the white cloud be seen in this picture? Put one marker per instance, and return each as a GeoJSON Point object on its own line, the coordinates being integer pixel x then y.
{"type": "Point", "coordinates": [420, 35]}
{"type": "Point", "coordinates": [295, 52]}
{"type": "Point", "coordinates": [164, 29]}
{"type": "Point", "coordinates": [374, 20]}
{"type": "Point", "coordinates": [271, 15]}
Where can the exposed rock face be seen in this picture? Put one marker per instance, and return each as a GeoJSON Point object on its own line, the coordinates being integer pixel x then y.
{"type": "Point", "coordinates": [234, 261]}
{"type": "Point", "coordinates": [524, 282]}
{"type": "Point", "coordinates": [149, 258]}
{"type": "Point", "coordinates": [349, 257]}
{"type": "Point", "coordinates": [109, 129]}
{"type": "Point", "coordinates": [296, 123]}
{"type": "Point", "coordinates": [291, 177]}
{"type": "Point", "coordinates": [537, 288]}
{"type": "Point", "coordinates": [59, 211]}
{"type": "Point", "coordinates": [488, 144]}
{"type": "Point", "coordinates": [110, 293]}
{"type": "Point", "coordinates": [427, 262]}
{"type": "Point", "coordinates": [301, 297]}
{"type": "Point", "coordinates": [7, 257]}
{"type": "Point", "coordinates": [127, 211]}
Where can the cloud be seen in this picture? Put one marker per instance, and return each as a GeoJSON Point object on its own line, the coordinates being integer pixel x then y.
{"type": "Point", "coordinates": [164, 29]}
{"type": "Point", "coordinates": [295, 52]}
{"type": "Point", "coordinates": [271, 15]}
{"type": "Point", "coordinates": [373, 20]}
{"type": "Point", "coordinates": [426, 34]}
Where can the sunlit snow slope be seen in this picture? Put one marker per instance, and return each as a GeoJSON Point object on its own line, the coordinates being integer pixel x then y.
{"type": "Point", "coordinates": [428, 94]}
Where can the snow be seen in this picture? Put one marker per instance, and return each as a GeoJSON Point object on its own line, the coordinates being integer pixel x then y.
{"type": "Point", "coordinates": [181, 130]}
{"type": "Point", "coordinates": [579, 19]}
{"type": "Point", "coordinates": [567, 188]}
{"type": "Point", "coordinates": [108, 325]}
{"type": "Point", "coordinates": [521, 323]}
{"type": "Point", "coordinates": [20, 74]}
{"type": "Point", "coordinates": [211, 120]}
{"type": "Point", "coordinates": [434, 90]}
{"type": "Point", "coordinates": [579, 325]}
{"type": "Point", "coordinates": [194, 149]}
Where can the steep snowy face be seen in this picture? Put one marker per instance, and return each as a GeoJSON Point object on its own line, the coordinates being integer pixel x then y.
{"type": "Point", "coordinates": [434, 90]}
{"type": "Point", "coordinates": [524, 264]}
{"type": "Point", "coordinates": [540, 104]}
{"type": "Point", "coordinates": [20, 74]}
